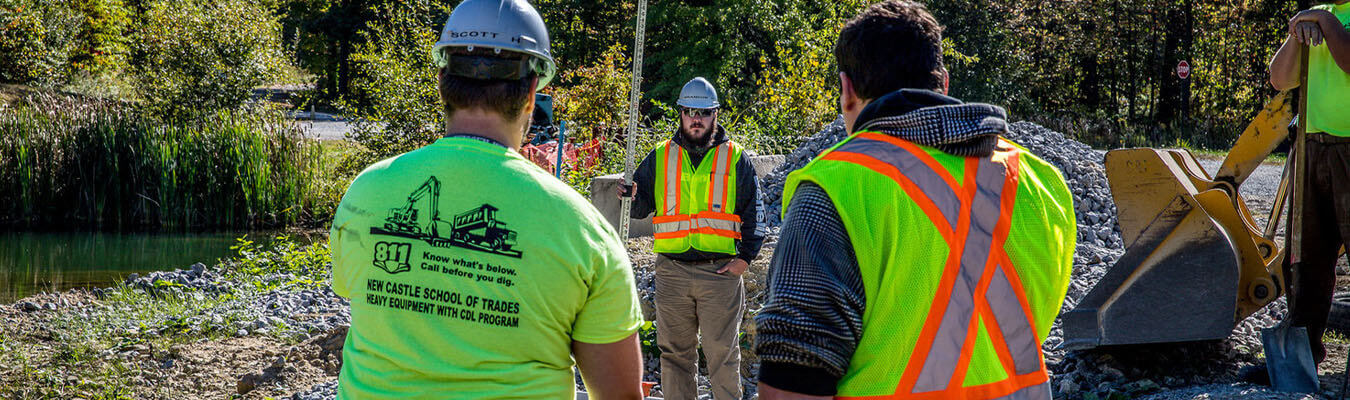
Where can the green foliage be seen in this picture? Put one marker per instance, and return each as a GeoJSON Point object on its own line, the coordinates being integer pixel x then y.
{"type": "Point", "coordinates": [394, 97]}
{"type": "Point", "coordinates": [37, 38]}
{"type": "Point", "coordinates": [596, 95]}
{"type": "Point", "coordinates": [794, 99]}
{"type": "Point", "coordinates": [1108, 64]}
{"type": "Point", "coordinates": [103, 165]}
{"type": "Point", "coordinates": [199, 56]}
{"type": "Point", "coordinates": [308, 264]}
{"type": "Point", "coordinates": [582, 31]}
{"type": "Point", "coordinates": [650, 347]}
{"type": "Point", "coordinates": [104, 41]}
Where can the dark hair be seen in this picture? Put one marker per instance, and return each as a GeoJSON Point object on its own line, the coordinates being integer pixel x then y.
{"type": "Point", "coordinates": [507, 97]}
{"type": "Point", "coordinates": [890, 46]}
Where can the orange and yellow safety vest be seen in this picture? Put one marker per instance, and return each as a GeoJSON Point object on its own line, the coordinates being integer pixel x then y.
{"type": "Point", "coordinates": [965, 262]}
{"type": "Point", "coordinates": [696, 207]}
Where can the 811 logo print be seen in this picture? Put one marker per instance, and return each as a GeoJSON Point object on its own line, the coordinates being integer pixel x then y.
{"type": "Point", "coordinates": [392, 257]}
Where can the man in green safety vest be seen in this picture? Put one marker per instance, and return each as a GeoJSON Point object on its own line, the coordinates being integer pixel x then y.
{"type": "Point", "coordinates": [705, 196]}
{"type": "Point", "coordinates": [924, 257]}
{"type": "Point", "coordinates": [1325, 31]}
{"type": "Point", "coordinates": [491, 285]}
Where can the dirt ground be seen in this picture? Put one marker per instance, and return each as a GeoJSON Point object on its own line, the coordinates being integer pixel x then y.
{"type": "Point", "coordinates": [41, 365]}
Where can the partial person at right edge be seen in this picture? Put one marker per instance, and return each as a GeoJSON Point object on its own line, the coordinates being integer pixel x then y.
{"type": "Point", "coordinates": [1325, 30]}
{"type": "Point", "coordinates": [924, 256]}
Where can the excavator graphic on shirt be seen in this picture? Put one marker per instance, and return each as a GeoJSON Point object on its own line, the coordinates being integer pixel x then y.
{"type": "Point", "coordinates": [477, 229]}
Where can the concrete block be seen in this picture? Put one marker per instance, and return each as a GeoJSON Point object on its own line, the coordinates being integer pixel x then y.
{"type": "Point", "coordinates": [765, 164]}
{"type": "Point", "coordinates": [604, 195]}
{"type": "Point", "coordinates": [604, 189]}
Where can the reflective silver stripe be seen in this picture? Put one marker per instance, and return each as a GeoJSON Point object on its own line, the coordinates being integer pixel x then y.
{"type": "Point", "coordinates": [928, 180]}
{"type": "Point", "coordinates": [673, 171]}
{"type": "Point", "coordinates": [717, 224]}
{"type": "Point", "coordinates": [673, 226]}
{"type": "Point", "coordinates": [1013, 323]}
{"type": "Point", "coordinates": [1039, 391]}
{"type": "Point", "coordinates": [695, 223]}
{"type": "Point", "coordinates": [940, 364]}
{"type": "Point", "coordinates": [719, 178]}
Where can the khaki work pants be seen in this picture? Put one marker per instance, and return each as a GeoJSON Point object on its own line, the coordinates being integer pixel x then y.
{"type": "Point", "coordinates": [693, 299]}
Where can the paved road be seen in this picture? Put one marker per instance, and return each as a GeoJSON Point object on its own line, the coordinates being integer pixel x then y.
{"type": "Point", "coordinates": [325, 130]}
{"type": "Point", "coordinates": [1258, 190]}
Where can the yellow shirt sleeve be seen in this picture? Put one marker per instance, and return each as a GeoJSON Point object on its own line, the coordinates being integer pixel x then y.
{"type": "Point", "coordinates": [611, 312]}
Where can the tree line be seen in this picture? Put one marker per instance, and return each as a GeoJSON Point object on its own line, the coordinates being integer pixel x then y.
{"type": "Point", "coordinates": [1104, 71]}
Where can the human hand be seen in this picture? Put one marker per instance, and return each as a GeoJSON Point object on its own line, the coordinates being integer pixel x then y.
{"type": "Point", "coordinates": [736, 267]}
{"type": "Point", "coordinates": [1306, 26]}
{"type": "Point", "coordinates": [1307, 33]}
{"type": "Point", "coordinates": [627, 190]}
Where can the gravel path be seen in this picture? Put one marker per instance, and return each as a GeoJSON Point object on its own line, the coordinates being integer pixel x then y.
{"type": "Point", "coordinates": [1258, 190]}
{"type": "Point", "coordinates": [325, 130]}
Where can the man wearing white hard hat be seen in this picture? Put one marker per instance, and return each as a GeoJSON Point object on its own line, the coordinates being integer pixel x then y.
{"type": "Point", "coordinates": [703, 191]}
{"type": "Point", "coordinates": [472, 272]}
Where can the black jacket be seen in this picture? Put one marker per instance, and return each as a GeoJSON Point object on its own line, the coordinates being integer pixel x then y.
{"type": "Point", "coordinates": [747, 199]}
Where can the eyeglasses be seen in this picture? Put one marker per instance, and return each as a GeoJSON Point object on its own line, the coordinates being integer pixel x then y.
{"type": "Point", "coordinates": [699, 112]}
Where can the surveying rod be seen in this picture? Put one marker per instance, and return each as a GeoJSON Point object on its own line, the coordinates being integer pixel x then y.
{"type": "Point", "coordinates": [634, 95]}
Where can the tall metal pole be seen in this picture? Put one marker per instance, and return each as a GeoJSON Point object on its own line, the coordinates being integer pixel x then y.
{"type": "Point", "coordinates": [634, 96]}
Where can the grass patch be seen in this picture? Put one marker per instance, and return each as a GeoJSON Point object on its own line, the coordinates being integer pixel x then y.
{"type": "Point", "coordinates": [103, 165]}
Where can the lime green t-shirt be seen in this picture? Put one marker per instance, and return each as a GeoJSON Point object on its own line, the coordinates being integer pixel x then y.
{"type": "Point", "coordinates": [470, 272]}
{"type": "Point", "coordinates": [1328, 84]}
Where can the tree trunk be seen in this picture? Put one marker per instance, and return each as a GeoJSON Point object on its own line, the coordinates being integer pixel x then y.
{"type": "Point", "coordinates": [1180, 36]}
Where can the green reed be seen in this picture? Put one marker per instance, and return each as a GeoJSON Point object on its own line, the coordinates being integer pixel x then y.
{"type": "Point", "coordinates": [100, 165]}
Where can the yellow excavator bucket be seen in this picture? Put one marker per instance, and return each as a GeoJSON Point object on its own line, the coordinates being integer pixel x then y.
{"type": "Point", "coordinates": [1195, 263]}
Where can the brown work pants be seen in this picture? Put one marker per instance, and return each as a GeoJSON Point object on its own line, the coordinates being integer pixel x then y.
{"type": "Point", "coordinates": [693, 299]}
{"type": "Point", "coordinates": [1326, 226]}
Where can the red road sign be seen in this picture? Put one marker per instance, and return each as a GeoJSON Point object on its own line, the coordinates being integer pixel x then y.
{"type": "Point", "coordinates": [1183, 69]}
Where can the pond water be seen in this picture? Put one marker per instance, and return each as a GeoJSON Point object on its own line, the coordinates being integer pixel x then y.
{"type": "Point", "coordinates": [32, 262]}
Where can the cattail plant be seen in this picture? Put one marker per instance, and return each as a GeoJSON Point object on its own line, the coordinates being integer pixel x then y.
{"type": "Point", "coordinates": [88, 164]}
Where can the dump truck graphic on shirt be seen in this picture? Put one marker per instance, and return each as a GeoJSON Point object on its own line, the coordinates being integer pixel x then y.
{"type": "Point", "coordinates": [419, 218]}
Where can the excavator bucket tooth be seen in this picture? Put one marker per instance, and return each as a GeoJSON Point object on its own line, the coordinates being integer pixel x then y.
{"type": "Point", "coordinates": [1175, 282]}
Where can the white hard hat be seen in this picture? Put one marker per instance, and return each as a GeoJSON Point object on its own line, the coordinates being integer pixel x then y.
{"type": "Point", "coordinates": [698, 93]}
{"type": "Point", "coordinates": [500, 25]}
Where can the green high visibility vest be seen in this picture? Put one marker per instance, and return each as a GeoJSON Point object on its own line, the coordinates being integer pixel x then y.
{"type": "Point", "coordinates": [696, 207]}
{"type": "Point", "coordinates": [965, 262]}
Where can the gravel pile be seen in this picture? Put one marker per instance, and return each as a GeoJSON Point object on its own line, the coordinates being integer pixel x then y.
{"type": "Point", "coordinates": [306, 311]}
{"type": "Point", "coordinates": [322, 391]}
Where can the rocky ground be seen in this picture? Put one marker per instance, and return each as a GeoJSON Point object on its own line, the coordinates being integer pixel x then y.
{"type": "Point", "coordinates": [262, 326]}
{"type": "Point", "coordinates": [267, 326]}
